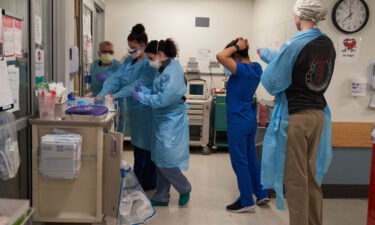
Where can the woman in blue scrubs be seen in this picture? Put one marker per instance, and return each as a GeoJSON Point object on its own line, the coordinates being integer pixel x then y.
{"type": "Point", "coordinates": [242, 124]}
{"type": "Point", "coordinates": [136, 70]}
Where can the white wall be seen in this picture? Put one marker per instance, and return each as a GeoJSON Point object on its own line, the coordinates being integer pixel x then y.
{"type": "Point", "coordinates": [176, 19]}
{"type": "Point", "coordinates": [265, 22]}
{"type": "Point", "coordinates": [273, 20]}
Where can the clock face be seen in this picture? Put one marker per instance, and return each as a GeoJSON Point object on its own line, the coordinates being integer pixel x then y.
{"type": "Point", "coordinates": [350, 16]}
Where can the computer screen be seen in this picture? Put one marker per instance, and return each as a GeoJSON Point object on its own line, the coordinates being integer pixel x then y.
{"type": "Point", "coordinates": [196, 89]}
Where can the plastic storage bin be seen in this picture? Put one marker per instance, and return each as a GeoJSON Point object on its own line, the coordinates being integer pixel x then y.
{"type": "Point", "coordinates": [59, 150]}
{"type": "Point", "coordinates": [60, 156]}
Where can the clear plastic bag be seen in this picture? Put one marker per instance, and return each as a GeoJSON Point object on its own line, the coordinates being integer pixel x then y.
{"type": "Point", "coordinates": [134, 206]}
{"type": "Point", "coordinates": [9, 152]}
{"type": "Point", "coordinates": [60, 155]}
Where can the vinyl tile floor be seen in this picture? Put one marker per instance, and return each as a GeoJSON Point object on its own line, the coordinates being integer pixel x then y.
{"type": "Point", "coordinates": [214, 186]}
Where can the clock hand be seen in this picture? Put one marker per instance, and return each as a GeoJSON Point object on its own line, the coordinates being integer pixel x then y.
{"type": "Point", "coordinates": [350, 8]}
{"type": "Point", "coordinates": [350, 15]}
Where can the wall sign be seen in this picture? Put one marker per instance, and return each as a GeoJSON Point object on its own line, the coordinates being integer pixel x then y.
{"type": "Point", "coordinates": [349, 49]}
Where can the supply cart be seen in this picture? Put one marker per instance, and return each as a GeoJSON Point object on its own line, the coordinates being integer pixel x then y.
{"type": "Point", "coordinates": [79, 200]}
{"type": "Point", "coordinates": [199, 123]}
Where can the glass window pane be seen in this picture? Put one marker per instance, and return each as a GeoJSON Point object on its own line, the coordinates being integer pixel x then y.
{"type": "Point", "coordinates": [43, 45]}
{"type": "Point", "coordinates": [20, 8]}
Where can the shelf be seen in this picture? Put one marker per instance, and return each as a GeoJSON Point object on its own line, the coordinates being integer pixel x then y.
{"type": "Point", "coordinates": [69, 217]}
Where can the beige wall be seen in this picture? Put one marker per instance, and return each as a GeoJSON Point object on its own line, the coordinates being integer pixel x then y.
{"type": "Point", "coordinates": [273, 20]}
{"type": "Point", "coordinates": [264, 22]}
{"type": "Point", "coordinates": [176, 19]}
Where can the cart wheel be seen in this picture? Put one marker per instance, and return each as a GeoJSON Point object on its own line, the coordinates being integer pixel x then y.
{"type": "Point", "coordinates": [206, 150]}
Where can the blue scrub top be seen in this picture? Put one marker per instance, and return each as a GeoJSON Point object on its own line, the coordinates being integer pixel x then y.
{"type": "Point", "coordinates": [241, 88]}
{"type": "Point", "coordinates": [96, 69]}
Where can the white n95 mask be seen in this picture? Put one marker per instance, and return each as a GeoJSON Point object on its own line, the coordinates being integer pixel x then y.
{"type": "Point", "coordinates": [134, 53]}
{"type": "Point", "coordinates": [155, 64]}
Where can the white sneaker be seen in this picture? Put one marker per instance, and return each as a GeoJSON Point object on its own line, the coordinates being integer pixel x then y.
{"type": "Point", "coordinates": [263, 201]}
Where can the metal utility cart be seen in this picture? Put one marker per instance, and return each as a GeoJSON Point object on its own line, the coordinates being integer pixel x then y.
{"type": "Point", "coordinates": [79, 200]}
{"type": "Point", "coordinates": [199, 123]}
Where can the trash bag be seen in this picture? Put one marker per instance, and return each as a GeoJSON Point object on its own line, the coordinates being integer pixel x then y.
{"type": "Point", "coordinates": [9, 152]}
{"type": "Point", "coordinates": [134, 206]}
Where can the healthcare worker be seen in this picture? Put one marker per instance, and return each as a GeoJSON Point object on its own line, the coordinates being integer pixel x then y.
{"type": "Point", "coordinates": [170, 144]}
{"type": "Point", "coordinates": [297, 144]}
{"type": "Point", "coordinates": [242, 124]}
{"type": "Point", "coordinates": [103, 67]}
{"type": "Point", "coordinates": [136, 70]}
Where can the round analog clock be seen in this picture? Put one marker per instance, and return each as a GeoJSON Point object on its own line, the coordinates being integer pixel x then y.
{"type": "Point", "coordinates": [350, 16]}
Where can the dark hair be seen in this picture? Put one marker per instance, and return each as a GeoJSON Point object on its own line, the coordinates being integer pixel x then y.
{"type": "Point", "coordinates": [138, 34]}
{"type": "Point", "coordinates": [168, 47]}
{"type": "Point", "coordinates": [244, 53]}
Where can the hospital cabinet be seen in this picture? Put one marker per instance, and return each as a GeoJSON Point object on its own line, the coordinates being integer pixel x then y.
{"type": "Point", "coordinates": [199, 99]}
{"type": "Point", "coordinates": [87, 198]}
{"type": "Point", "coordinates": [219, 123]}
{"type": "Point", "coordinates": [199, 123]}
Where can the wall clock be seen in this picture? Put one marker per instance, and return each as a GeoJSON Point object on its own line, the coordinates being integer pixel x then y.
{"type": "Point", "coordinates": [350, 16]}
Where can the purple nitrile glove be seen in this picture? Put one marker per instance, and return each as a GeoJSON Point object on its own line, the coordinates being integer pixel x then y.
{"type": "Point", "coordinates": [101, 77]}
{"type": "Point", "coordinates": [138, 88]}
{"type": "Point", "coordinates": [136, 96]}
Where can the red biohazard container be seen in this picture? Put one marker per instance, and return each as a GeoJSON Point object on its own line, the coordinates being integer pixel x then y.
{"type": "Point", "coordinates": [371, 197]}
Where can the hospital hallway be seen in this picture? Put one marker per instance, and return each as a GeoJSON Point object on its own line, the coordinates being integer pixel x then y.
{"type": "Point", "coordinates": [214, 186]}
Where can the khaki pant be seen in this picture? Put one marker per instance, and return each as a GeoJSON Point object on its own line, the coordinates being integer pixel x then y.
{"type": "Point", "coordinates": [304, 195]}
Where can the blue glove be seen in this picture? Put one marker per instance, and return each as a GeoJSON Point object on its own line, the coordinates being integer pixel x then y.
{"type": "Point", "coordinates": [143, 89]}
{"type": "Point", "coordinates": [138, 88]}
{"type": "Point", "coordinates": [101, 77]}
{"type": "Point", "coordinates": [137, 96]}
{"type": "Point", "coordinates": [141, 97]}
{"type": "Point", "coordinates": [98, 101]}
{"type": "Point", "coordinates": [267, 55]}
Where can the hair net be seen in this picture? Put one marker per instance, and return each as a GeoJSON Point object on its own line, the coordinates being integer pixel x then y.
{"type": "Point", "coordinates": [310, 10]}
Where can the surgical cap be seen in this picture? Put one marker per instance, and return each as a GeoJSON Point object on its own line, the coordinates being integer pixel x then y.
{"type": "Point", "coordinates": [310, 10]}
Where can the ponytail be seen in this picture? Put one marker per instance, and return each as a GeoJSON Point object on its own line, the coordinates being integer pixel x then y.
{"type": "Point", "coordinates": [168, 47]}
{"type": "Point", "coordinates": [171, 49]}
{"type": "Point", "coordinates": [243, 53]}
{"type": "Point", "coordinates": [138, 34]}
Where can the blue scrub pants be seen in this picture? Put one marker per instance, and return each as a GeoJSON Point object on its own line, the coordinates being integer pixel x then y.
{"type": "Point", "coordinates": [168, 177]}
{"type": "Point", "coordinates": [245, 163]}
{"type": "Point", "coordinates": [144, 168]}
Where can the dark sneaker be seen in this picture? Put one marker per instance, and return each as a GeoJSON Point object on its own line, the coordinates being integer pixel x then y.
{"type": "Point", "coordinates": [263, 201]}
{"type": "Point", "coordinates": [184, 200]}
{"type": "Point", "coordinates": [146, 189]}
{"type": "Point", "coordinates": [238, 208]}
{"type": "Point", "coordinates": [156, 203]}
